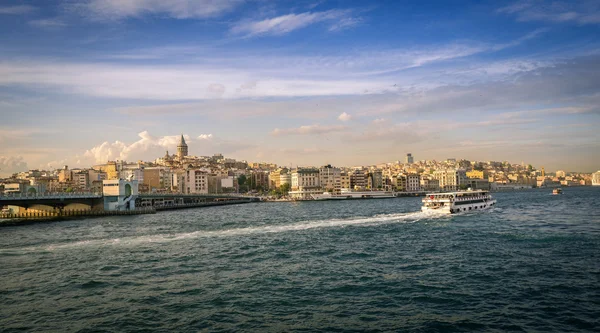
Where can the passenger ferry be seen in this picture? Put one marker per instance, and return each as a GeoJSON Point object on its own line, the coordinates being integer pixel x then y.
{"type": "Point", "coordinates": [349, 194]}
{"type": "Point", "coordinates": [455, 202]}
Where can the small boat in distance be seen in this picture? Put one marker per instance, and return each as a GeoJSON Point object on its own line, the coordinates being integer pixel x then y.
{"type": "Point", "coordinates": [557, 191]}
{"type": "Point", "coordinates": [455, 202]}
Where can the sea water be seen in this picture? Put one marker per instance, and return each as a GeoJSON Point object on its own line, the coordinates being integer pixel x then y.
{"type": "Point", "coordinates": [532, 263]}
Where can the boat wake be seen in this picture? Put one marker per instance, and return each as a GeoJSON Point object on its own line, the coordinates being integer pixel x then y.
{"type": "Point", "coordinates": [265, 229]}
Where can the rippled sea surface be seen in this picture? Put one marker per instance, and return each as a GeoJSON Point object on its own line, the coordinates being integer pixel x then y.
{"type": "Point", "coordinates": [530, 264]}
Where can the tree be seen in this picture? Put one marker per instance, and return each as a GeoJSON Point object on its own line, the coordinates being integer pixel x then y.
{"type": "Point", "coordinates": [285, 188]}
{"type": "Point", "coordinates": [242, 179]}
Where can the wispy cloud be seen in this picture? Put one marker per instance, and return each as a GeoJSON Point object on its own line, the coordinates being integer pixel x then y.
{"type": "Point", "coordinates": [577, 11]}
{"type": "Point", "coordinates": [309, 130]}
{"type": "Point", "coordinates": [179, 9]}
{"type": "Point", "coordinates": [17, 10]}
{"type": "Point", "coordinates": [281, 25]}
{"type": "Point", "coordinates": [50, 23]}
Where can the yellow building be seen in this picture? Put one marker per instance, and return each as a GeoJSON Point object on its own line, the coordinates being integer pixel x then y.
{"type": "Point", "coordinates": [109, 168]}
{"type": "Point", "coordinates": [476, 174]}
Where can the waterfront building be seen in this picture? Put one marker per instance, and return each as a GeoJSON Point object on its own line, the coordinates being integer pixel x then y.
{"type": "Point", "coordinates": [450, 179]}
{"type": "Point", "coordinates": [330, 178]}
{"type": "Point", "coordinates": [478, 184]}
{"type": "Point", "coordinates": [413, 182]}
{"type": "Point", "coordinates": [560, 174]}
{"type": "Point", "coordinates": [344, 180]}
{"type": "Point", "coordinates": [376, 178]}
{"type": "Point", "coordinates": [285, 178]}
{"type": "Point", "coordinates": [182, 148]}
{"type": "Point", "coordinates": [278, 177]}
{"type": "Point", "coordinates": [358, 180]}
{"type": "Point", "coordinates": [305, 183]}
{"type": "Point", "coordinates": [259, 180]}
{"type": "Point", "coordinates": [119, 194]}
{"type": "Point", "coordinates": [596, 178]}
{"type": "Point", "coordinates": [430, 184]}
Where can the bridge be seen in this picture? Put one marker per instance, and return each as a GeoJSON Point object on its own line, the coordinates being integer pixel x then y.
{"type": "Point", "coordinates": [88, 201]}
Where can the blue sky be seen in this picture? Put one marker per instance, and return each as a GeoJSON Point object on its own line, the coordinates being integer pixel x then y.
{"type": "Point", "coordinates": [300, 82]}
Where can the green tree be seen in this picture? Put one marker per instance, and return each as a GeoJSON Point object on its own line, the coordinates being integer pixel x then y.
{"type": "Point", "coordinates": [284, 189]}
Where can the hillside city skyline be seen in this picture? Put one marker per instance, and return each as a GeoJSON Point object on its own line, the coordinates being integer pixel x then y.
{"type": "Point", "coordinates": [183, 173]}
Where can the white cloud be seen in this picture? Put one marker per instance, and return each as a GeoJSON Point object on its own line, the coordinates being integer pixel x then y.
{"type": "Point", "coordinates": [17, 10]}
{"type": "Point", "coordinates": [146, 146]}
{"type": "Point", "coordinates": [578, 11]}
{"type": "Point", "coordinates": [179, 9]}
{"type": "Point", "coordinates": [12, 164]}
{"type": "Point", "coordinates": [309, 130]}
{"type": "Point", "coordinates": [149, 147]}
{"type": "Point", "coordinates": [234, 75]}
{"type": "Point", "coordinates": [344, 117]}
{"type": "Point", "coordinates": [379, 121]}
{"type": "Point", "coordinates": [284, 24]}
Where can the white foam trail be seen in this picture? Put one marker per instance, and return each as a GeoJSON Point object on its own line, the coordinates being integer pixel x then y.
{"type": "Point", "coordinates": [305, 225]}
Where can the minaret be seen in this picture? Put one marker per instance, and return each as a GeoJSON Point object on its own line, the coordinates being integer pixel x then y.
{"type": "Point", "coordinates": [182, 148]}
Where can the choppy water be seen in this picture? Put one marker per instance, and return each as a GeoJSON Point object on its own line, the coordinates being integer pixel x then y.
{"type": "Point", "coordinates": [531, 264]}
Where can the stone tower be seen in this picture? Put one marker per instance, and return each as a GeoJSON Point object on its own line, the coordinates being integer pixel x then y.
{"type": "Point", "coordinates": [182, 148]}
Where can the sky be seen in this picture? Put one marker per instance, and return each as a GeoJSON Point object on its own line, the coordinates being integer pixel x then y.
{"type": "Point", "coordinates": [304, 82]}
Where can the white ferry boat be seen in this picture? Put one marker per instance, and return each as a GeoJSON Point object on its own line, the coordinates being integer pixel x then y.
{"type": "Point", "coordinates": [349, 194]}
{"type": "Point", "coordinates": [455, 202]}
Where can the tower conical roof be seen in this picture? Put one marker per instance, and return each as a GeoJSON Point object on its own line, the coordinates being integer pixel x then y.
{"type": "Point", "coordinates": [182, 142]}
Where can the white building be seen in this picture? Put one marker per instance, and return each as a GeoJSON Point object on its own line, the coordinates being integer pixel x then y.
{"type": "Point", "coordinates": [305, 183]}
{"type": "Point", "coordinates": [413, 182]}
{"type": "Point", "coordinates": [119, 194]}
{"type": "Point", "coordinates": [285, 178]}
{"type": "Point", "coordinates": [596, 178]}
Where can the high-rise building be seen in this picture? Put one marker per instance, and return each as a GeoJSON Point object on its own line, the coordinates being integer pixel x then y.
{"type": "Point", "coordinates": [409, 159]}
{"type": "Point", "coordinates": [182, 148]}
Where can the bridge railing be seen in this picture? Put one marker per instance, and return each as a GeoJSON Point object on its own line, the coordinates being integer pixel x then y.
{"type": "Point", "coordinates": [74, 195]}
{"type": "Point", "coordinates": [194, 195]}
